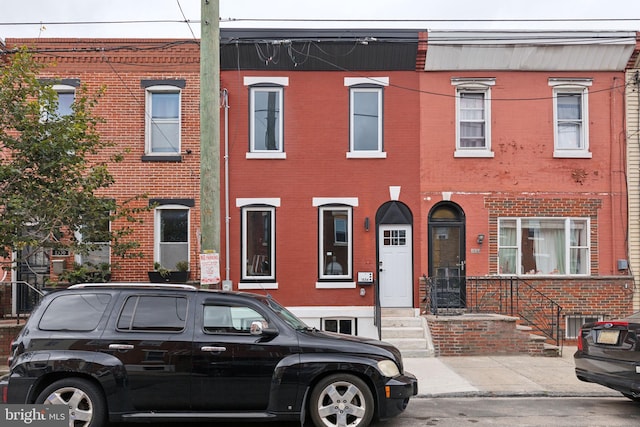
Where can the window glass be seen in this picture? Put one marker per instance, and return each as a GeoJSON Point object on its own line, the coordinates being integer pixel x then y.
{"type": "Point", "coordinates": [164, 116]}
{"type": "Point", "coordinates": [569, 111]}
{"type": "Point", "coordinates": [543, 246]}
{"type": "Point", "coordinates": [574, 323]}
{"type": "Point", "coordinates": [335, 225]}
{"type": "Point", "coordinates": [81, 312]}
{"type": "Point", "coordinates": [153, 313]}
{"type": "Point", "coordinates": [258, 242]}
{"type": "Point", "coordinates": [96, 231]}
{"type": "Point", "coordinates": [230, 319]}
{"type": "Point", "coordinates": [65, 102]}
{"type": "Point", "coordinates": [341, 326]}
{"type": "Point", "coordinates": [173, 244]}
{"type": "Point", "coordinates": [366, 123]}
{"type": "Point", "coordinates": [266, 119]}
{"type": "Point", "coordinates": [472, 120]}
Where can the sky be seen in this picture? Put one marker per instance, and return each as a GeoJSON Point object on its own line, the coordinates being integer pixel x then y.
{"type": "Point", "coordinates": [181, 18]}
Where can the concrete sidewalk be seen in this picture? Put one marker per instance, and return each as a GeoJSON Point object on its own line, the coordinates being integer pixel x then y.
{"type": "Point", "coordinates": [501, 376]}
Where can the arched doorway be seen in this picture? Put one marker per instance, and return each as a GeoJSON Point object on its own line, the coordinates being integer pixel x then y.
{"type": "Point", "coordinates": [447, 255]}
{"type": "Point", "coordinates": [394, 223]}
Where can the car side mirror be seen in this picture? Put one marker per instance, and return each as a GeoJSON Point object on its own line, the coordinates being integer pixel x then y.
{"type": "Point", "coordinates": [261, 328]}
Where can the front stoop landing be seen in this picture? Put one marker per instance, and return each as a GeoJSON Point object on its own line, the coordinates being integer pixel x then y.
{"type": "Point", "coordinates": [485, 334]}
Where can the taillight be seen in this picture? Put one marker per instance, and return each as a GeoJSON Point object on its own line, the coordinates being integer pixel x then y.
{"type": "Point", "coordinates": [580, 340]}
{"type": "Point", "coordinates": [614, 323]}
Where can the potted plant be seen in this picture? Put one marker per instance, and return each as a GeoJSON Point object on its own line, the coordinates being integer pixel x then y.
{"type": "Point", "coordinates": [181, 275]}
{"type": "Point", "coordinates": [162, 274]}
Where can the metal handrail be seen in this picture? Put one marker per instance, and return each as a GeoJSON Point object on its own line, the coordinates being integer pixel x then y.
{"type": "Point", "coordinates": [509, 295]}
{"type": "Point", "coordinates": [29, 286]}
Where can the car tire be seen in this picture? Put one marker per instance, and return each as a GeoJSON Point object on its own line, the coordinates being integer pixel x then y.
{"type": "Point", "coordinates": [340, 400]}
{"type": "Point", "coordinates": [85, 401]}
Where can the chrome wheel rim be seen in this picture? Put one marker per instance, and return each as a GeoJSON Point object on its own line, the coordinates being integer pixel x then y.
{"type": "Point", "coordinates": [78, 402]}
{"type": "Point", "coordinates": [341, 404]}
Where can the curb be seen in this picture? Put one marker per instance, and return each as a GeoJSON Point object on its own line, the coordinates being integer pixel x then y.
{"type": "Point", "coordinates": [510, 394]}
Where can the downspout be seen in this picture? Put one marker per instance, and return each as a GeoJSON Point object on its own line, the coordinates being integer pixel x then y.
{"type": "Point", "coordinates": [226, 284]}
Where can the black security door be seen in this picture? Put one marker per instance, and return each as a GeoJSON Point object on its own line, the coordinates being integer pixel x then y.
{"type": "Point", "coordinates": [447, 256]}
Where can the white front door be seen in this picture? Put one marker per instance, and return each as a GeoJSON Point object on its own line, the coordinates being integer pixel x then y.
{"type": "Point", "coordinates": [395, 250]}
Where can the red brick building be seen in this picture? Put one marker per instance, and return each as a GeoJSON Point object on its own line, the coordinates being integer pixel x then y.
{"type": "Point", "coordinates": [526, 164]}
{"type": "Point", "coordinates": [366, 165]}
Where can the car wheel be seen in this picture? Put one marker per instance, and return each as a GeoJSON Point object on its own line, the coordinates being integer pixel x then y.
{"type": "Point", "coordinates": [341, 400]}
{"type": "Point", "coordinates": [85, 401]}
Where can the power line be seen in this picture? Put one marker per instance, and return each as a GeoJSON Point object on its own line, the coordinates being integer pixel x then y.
{"type": "Point", "coordinates": [308, 20]}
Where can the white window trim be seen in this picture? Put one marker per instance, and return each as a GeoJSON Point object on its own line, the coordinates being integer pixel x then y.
{"type": "Point", "coordinates": [567, 248]}
{"type": "Point", "coordinates": [582, 318]}
{"type": "Point", "coordinates": [351, 320]}
{"type": "Point", "coordinates": [572, 86]}
{"type": "Point", "coordinates": [265, 154]}
{"type": "Point", "coordinates": [377, 81]}
{"type": "Point", "coordinates": [274, 82]}
{"type": "Point", "coordinates": [268, 201]}
{"type": "Point", "coordinates": [377, 153]}
{"type": "Point", "coordinates": [272, 255]}
{"type": "Point", "coordinates": [149, 91]}
{"type": "Point", "coordinates": [156, 231]}
{"type": "Point", "coordinates": [479, 85]}
{"type": "Point", "coordinates": [322, 251]}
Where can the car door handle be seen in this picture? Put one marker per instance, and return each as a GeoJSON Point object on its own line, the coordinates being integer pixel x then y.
{"type": "Point", "coordinates": [213, 349]}
{"type": "Point", "coordinates": [120, 347]}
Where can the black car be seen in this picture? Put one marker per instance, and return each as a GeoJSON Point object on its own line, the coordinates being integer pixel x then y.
{"type": "Point", "coordinates": [134, 352]}
{"type": "Point", "coordinates": [609, 354]}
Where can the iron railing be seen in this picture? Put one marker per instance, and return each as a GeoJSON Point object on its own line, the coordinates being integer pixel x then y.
{"type": "Point", "coordinates": [510, 296]}
{"type": "Point", "coordinates": [26, 296]}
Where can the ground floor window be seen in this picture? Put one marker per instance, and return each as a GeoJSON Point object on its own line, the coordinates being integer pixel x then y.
{"type": "Point", "coordinates": [171, 235]}
{"type": "Point", "coordinates": [575, 322]}
{"type": "Point", "coordinates": [529, 246]}
{"type": "Point", "coordinates": [258, 246]}
{"type": "Point", "coordinates": [340, 325]}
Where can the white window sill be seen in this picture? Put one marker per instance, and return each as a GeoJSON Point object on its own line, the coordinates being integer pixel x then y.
{"type": "Point", "coordinates": [366, 155]}
{"type": "Point", "coordinates": [573, 154]}
{"type": "Point", "coordinates": [474, 153]}
{"type": "Point", "coordinates": [335, 285]}
{"type": "Point", "coordinates": [273, 156]}
{"type": "Point", "coordinates": [257, 285]}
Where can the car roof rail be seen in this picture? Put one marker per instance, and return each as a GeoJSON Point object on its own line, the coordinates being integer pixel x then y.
{"type": "Point", "coordinates": [134, 285]}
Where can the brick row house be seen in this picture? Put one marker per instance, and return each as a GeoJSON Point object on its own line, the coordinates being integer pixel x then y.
{"type": "Point", "coordinates": [380, 168]}
{"type": "Point", "coordinates": [523, 155]}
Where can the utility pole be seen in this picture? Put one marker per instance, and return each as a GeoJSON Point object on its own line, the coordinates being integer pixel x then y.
{"type": "Point", "coordinates": [210, 126]}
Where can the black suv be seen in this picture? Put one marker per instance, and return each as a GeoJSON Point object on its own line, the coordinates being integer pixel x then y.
{"type": "Point", "coordinates": [136, 352]}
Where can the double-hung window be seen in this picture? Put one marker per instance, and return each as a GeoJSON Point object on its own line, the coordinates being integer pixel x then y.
{"type": "Point", "coordinates": [96, 235]}
{"type": "Point", "coordinates": [335, 241]}
{"type": "Point", "coordinates": [163, 118]}
{"type": "Point", "coordinates": [366, 116]}
{"type": "Point", "coordinates": [171, 235]}
{"type": "Point", "coordinates": [266, 108]}
{"type": "Point", "coordinates": [571, 117]}
{"type": "Point", "coordinates": [543, 246]}
{"type": "Point", "coordinates": [66, 96]}
{"type": "Point", "coordinates": [473, 117]}
{"type": "Point", "coordinates": [258, 243]}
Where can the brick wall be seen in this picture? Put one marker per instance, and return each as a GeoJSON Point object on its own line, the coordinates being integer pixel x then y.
{"type": "Point", "coordinates": [483, 334]}
{"type": "Point", "coordinates": [7, 333]}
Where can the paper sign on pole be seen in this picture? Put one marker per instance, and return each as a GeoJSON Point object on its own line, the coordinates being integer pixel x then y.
{"type": "Point", "coordinates": [209, 268]}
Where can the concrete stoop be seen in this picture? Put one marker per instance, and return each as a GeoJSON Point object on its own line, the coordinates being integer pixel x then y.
{"type": "Point", "coordinates": [408, 331]}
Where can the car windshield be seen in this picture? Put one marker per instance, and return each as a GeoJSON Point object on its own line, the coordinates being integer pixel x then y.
{"type": "Point", "coordinates": [285, 314]}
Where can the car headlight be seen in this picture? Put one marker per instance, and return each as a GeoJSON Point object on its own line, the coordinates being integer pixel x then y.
{"type": "Point", "coordinates": [388, 368]}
